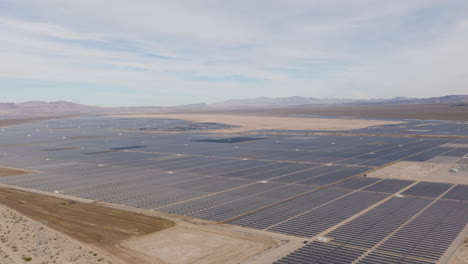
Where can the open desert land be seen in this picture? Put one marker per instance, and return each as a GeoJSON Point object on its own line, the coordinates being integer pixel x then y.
{"type": "Point", "coordinates": [49, 229]}
{"type": "Point", "coordinates": [165, 189]}
{"type": "Point", "coordinates": [435, 111]}
{"type": "Point", "coordinates": [10, 172]}
{"type": "Point", "coordinates": [251, 123]}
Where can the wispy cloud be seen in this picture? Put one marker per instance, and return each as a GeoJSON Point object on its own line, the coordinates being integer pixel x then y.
{"type": "Point", "coordinates": [193, 51]}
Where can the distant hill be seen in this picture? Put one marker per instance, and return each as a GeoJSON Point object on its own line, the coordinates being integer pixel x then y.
{"type": "Point", "coordinates": [40, 107]}
{"type": "Point", "coordinates": [448, 99]}
{"type": "Point", "coordinates": [297, 101]}
{"type": "Point", "coordinates": [278, 102]}
{"type": "Point", "coordinates": [64, 107]}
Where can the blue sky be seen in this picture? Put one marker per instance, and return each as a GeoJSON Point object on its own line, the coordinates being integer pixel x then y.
{"type": "Point", "coordinates": [149, 52]}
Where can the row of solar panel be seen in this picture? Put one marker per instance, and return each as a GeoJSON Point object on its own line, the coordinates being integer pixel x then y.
{"type": "Point", "coordinates": [412, 233]}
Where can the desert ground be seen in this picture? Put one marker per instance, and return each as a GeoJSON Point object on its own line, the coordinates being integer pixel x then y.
{"type": "Point", "coordinates": [97, 233]}
{"type": "Point", "coordinates": [424, 171]}
{"type": "Point", "coordinates": [25, 240]}
{"type": "Point", "coordinates": [249, 123]}
{"type": "Point", "coordinates": [461, 254]}
{"type": "Point", "coordinates": [411, 111]}
{"type": "Point", "coordinates": [9, 172]}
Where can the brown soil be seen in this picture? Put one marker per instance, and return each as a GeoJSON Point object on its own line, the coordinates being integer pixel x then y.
{"type": "Point", "coordinates": [461, 254]}
{"type": "Point", "coordinates": [4, 172]}
{"type": "Point", "coordinates": [422, 171]}
{"type": "Point", "coordinates": [198, 244]}
{"type": "Point", "coordinates": [130, 237]}
{"type": "Point", "coordinates": [248, 123]}
{"type": "Point", "coordinates": [86, 222]}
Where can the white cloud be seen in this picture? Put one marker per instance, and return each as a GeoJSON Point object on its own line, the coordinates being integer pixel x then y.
{"type": "Point", "coordinates": [323, 48]}
{"type": "Point", "coordinates": [434, 69]}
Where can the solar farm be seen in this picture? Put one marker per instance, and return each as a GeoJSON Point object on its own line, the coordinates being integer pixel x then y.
{"type": "Point", "coordinates": [318, 192]}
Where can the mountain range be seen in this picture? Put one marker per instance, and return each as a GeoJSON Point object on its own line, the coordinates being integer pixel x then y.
{"type": "Point", "coordinates": [297, 101]}
{"type": "Point", "coordinates": [64, 107]}
{"type": "Point", "coordinates": [46, 108]}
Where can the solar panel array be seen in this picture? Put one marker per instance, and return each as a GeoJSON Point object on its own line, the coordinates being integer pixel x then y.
{"type": "Point", "coordinates": [320, 219]}
{"type": "Point", "coordinates": [300, 186]}
{"type": "Point", "coordinates": [430, 234]}
{"type": "Point", "coordinates": [428, 189]}
{"type": "Point", "coordinates": [389, 234]}
{"type": "Point", "coordinates": [459, 192]}
{"type": "Point", "coordinates": [322, 253]}
{"type": "Point", "coordinates": [370, 228]}
{"type": "Point", "coordinates": [389, 186]}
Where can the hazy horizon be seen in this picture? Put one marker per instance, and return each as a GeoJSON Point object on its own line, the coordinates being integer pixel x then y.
{"type": "Point", "coordinates": [156, 53]}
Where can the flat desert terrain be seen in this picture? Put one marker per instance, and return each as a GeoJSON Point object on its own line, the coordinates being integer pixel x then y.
{"type": "Point", "coordinates": [248, 123]}
{"type": "Point", "coordinates": [422, 171]}
{"type": "Point", "coordinates": [77, 232]}
{"type": "Point", "coordinates": [409, 111]}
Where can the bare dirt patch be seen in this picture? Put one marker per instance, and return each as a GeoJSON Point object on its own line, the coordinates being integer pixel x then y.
{"type": "Point", "coordinates": [4, 172]}
{"type": "Point", "coordinates": [421, 171]}
{"type": "Point", "coordinates": [461, 254]}
{"type": "Point", "coordinates": [130, 237]}
{"type": "Point", "coordinates": [184, 245]}
{"type": "Point", "coordinates": [89, 223]}
{"type": "Point", "coordinates": [84, 221]}
{"type": "Point", "coordinates": [249, 123]}
{"type": "Point", "coordinates": [24, 240]}
{"type": "Point", "coordinates": [455, 145]}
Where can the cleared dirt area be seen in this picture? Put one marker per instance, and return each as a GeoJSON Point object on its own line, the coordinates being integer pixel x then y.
{"type": "Point", "coordinates": [461, 255]}
{"type": "Point", "coordinates": [4, 172]}
{"type": "Point", "coordinates": [89, 223]}
{"type": "Point", "coordinates": [130, 237]}
{"type": "Point", "coordinates": [249, 123]}
{"type": "Point", "coordinates": [25, 240]}
{"type": "Point", "coordinates": [86, 222]}
{"type": "Point", "coordinates": [192, 244]}
{"type": "Point", "coordinates": [422, 171]}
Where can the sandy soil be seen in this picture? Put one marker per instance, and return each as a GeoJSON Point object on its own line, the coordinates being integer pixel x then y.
{"type": "Point", "coordinates": [249, 123]}
{"type": "Point", "coordinates": [10, 172]}
{"type": "Point", "coordinates": [89, 223]}
{"type": "Point", "coordinates": [461, 255]}
{"type": "Point", "coordinates": [454, 145]}
{"type": "Point", "coordinates": [123, 236]}
{"type": "Point", "coordinates": [421, 171]}
{"type": "Point", "coordinates": [24, 240]}
{"type": "Point", "coordinates": [184, 245]}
